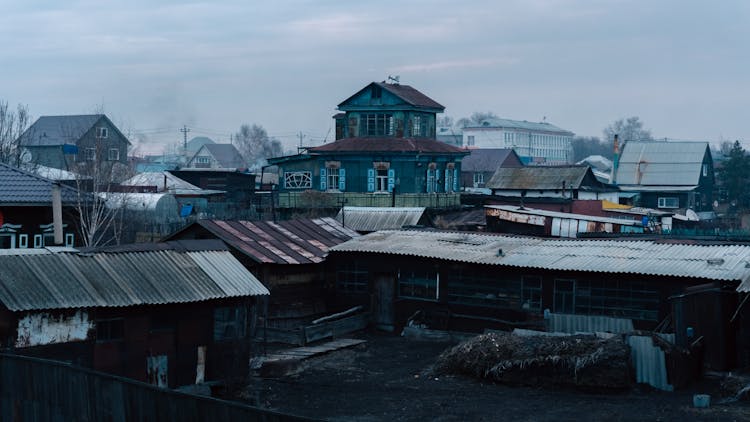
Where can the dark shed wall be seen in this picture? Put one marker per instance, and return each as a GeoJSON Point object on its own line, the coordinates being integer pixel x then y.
{"type": "Point", "coordinates": [508, 306]}
{"type": "Point", "coordinates": [175, 330]}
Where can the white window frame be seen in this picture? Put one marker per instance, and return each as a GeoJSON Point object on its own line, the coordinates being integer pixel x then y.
{"type": "Point", "coordinates": [705, 170]}
{"type": "Point", "coordinates": [114, 154]}
{"type": "Point", "coordinates": [470, 140]}
{"type": "Point", "coordinates": [102, 132]}
{"type": "Point", "coordinates": [416, 126]}
{"type": "Point", "coordinates": [297, 180]}
{"type": "Point", "coordinates": [478, 179]}
{"type": "Point", "coordinates": [90, 154]}
{"type": "Point", "coordinates": [381, 180]}
{"type": "Point", "coordinates": [332, 178]}
{"type": "Point", "coordinates": [668, 202]}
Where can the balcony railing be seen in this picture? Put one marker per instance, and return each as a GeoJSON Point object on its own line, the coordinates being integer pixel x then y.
{"type": "Point", "coordinates": [317, 199]}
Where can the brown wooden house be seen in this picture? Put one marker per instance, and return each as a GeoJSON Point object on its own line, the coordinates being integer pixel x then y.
{"type": "Point", "coordinates": [286, 256]}
{"type": "Point", "coordinates": [471, 281]}
{"type": "Point", "coordinates": [171, 314]}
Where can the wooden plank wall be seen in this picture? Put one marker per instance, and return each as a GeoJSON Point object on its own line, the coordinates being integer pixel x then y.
{"type": "Point", "coordinates": [33, 389]}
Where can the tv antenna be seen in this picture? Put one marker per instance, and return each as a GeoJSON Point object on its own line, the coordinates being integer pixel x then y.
{"type": "Point", "coordinates": [395, 79]}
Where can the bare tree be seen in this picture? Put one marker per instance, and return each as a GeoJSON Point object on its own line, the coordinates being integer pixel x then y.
{"type": "Point", "coordinates": [628, 129]}
{"type": "Point", "coordinates": [445, 121]}
{"type": "Point", "coordinates": [256, 146]}
{"type": "Point", "coordinates": [584, 146]}
{"type": "Point", "coordinates": [475, 119]}
{"type": "Point", "coordinates": [12, 125]}
{"type": "Point", "coordinates": [100, 207]}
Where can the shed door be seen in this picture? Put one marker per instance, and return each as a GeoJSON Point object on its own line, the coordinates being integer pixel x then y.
{"type": "Point", "coordinates": [383, 307]}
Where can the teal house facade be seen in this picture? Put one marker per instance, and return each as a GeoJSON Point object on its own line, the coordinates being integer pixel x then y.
{"type": "Point", "coordinates": [385, 143]}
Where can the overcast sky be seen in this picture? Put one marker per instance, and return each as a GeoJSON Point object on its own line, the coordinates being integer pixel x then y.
{"type": "Point", "coordinates": [683, 66]}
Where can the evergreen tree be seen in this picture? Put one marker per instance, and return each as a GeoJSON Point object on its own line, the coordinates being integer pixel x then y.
{"type": "Point", "coordinates": [735, 174]}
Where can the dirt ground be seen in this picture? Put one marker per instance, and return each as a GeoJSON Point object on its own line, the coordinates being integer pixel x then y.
{"type": "Point", "coordinates": [389, 378]}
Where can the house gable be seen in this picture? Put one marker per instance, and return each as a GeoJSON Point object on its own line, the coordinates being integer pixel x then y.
{"type": "Point", "coordinates": [390, 96]}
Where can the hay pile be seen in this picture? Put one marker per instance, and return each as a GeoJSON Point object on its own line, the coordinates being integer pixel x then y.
{"type": "Point", "coordinates": [582, 360]}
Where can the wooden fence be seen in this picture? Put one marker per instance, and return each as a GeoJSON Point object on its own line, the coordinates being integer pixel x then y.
{"type": "Point", "coordinates": [33, 389]}
{"type": "Point", "coordinates": [315, 199]}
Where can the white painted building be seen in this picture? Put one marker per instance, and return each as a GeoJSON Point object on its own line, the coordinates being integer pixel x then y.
{"type": "Point", "coordinates": [535, 143]}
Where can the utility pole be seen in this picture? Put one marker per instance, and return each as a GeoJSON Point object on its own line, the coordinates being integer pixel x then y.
{"type": "Point", "coordinates": [301, 136]}
{"type": "Point", "coordinates": [184, 131]}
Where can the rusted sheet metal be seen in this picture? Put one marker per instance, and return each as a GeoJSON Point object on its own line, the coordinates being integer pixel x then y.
{"type": "Point", "coordinates": [301, 241]}
{"type": "Point", "coordinates": [37, 329]}
{"type": "Point", "coordinates": [536, 220]}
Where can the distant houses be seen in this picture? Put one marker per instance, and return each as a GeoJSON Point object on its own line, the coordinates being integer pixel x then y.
{"type": "Point", "coordinates": [667, 175]}
{"type": "Point", "coordinates": [63, 142]}
{"type": "Point", "coordinates": [535, 143]}
{"type": "Point", "coordinates": [481, 164]}
{"type": "Point", "coordinates": [385, 144]}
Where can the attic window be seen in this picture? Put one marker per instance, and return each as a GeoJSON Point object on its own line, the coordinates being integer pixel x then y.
{"type": "Point", "coordinates": [377, 124]}
{"type": "Point", "coordinates": [376, 93]}
{"type": "Point", "coordinates": [102, 132]}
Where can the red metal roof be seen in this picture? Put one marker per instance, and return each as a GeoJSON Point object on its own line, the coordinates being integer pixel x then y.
{"type": "Point", "coordinates": [301, 241]}
{"type": "Point", "coordinates": [384, 144]}
{"type": "Point", "coordinates": [411, 95]}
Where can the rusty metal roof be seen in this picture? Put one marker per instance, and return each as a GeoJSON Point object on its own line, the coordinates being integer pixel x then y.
{"type": "Point", "coordinates": [661, 163]}
{"type": "Point", "coordinates": [300, 241]}
{"type": "Point", "coordinates": [33, 279]}
{"type": "Point", "coordinates": [411, 95]}
{"type": "Point", "coordinates": [370, 219]}
{"type": "Point", "coordinates": [388, 144]}
{"type": "Point", "coordinates": [408, 94]}
{"type": "Point", "coordinates": [651, 257]}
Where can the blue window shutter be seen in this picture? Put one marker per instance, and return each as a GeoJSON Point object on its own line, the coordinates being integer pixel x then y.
{"type": "Point", "coordinates": [430, 180]}
{"type": "Point", "coordinates": [370, 180]}
{"type": "Point", "coordinates": [447, 182]}
{"type": "Point", "coordinates": [323, 179]}
{"type": "Point", "coordinates": [455, 180]}
{"type": "Point", "coordinates": [342, 180]}
{"type": "Point", "coordinates": [391, 179]}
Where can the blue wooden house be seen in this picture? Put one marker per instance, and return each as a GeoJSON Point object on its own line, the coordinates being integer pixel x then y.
{"type": "Point", "coordinates": [385, 143]}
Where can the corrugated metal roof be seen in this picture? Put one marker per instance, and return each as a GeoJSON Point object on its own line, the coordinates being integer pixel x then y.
{"type": "Point", "coordinates": [386, 144]}
{"type": "Point", "coordinates": [490, 159]}
{"type": "Point", "coordinates": [370, 219]}
{"type": "Point", "coordinates": [21, 188]}
{"type": "Point", "coordinates": [173, 183]}
{"type": "Point", "coordinates": [712, 262]}
{"type": "Point", "coordinates": [301, 241]}
{"type": "Point", "coordinates": [520, 124]}
{"type": "Point", "coordinates": [661, 163]}
{"type": "Point", "coordinates": [42, 279]}
{"type": "Point", "coordinates": [555, 214]}
{"type": "Point", "coordinates": [538, 177]}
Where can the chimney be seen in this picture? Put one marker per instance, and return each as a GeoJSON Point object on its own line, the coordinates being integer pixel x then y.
{"type": "Point", "coordinates": [57, 223]}
{"type": "Point", "coordinates": [615, 162]}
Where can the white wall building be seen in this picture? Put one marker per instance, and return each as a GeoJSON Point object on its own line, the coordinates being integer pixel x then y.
{"type": "Point", "coordinates": [535, 143]}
